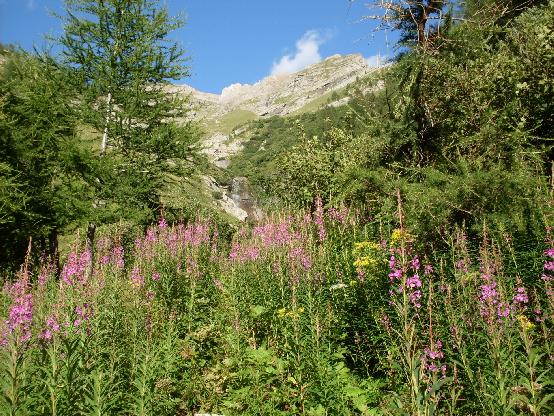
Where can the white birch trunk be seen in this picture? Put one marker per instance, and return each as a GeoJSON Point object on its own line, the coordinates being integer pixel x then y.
{"type": "Point", "coordinates": [105, 135]}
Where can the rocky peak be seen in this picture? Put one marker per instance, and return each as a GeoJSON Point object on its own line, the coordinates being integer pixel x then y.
{"type": "Point", "coordinates": [281, 94]}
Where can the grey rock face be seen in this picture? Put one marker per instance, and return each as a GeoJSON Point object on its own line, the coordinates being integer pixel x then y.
{"type": "Point", "coordinates": [242, 195]}
{"type": "Point", "coordinates": [280, 94]}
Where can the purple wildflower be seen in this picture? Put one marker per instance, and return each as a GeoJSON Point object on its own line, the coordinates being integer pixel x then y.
{"type": "Point", "coordinates": [74, 270]}
{"type": "Point", "coordinates": [503, 310]}
{"type": "Point", "coordinates": [162, 224]}
{"type": "Point", "coordinates": [136, 278]}
{"type": "Point", "coordinates": [521, 297]}
{"type": "Point", "coordinates": [415, 297]}
{"type": "Point", "coordinates": [415, 263]}
{"type": "Point", "coordinates": [318, 218]}
{"type": "Point", "coordinates": [413, 281]}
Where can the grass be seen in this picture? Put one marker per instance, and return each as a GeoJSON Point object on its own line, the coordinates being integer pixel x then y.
{"type": "Point", "coordinates": [230, 121]}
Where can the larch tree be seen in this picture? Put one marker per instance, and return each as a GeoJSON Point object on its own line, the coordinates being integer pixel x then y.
{"type": "Point", "coordinates": [122, 59]}
{"type": "Point", "coordinates": [45, 173]}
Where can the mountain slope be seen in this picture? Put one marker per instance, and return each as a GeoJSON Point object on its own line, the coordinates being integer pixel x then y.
{"type": "Point", "coordinates": [276, 94]}
{"type": "Point", "coordinates": [232, 118]}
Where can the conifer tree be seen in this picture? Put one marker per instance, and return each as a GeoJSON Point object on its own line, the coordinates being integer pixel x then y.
{"type": "Point", "coordinates": [45, 174]}
{"type": "Point", "coordinates": [122, 58]}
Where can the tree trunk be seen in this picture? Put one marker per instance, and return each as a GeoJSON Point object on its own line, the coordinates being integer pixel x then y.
{"type": "Point", "coordinates": [91, 231]}
{"type": "Point", "coordinates": [53, 250]}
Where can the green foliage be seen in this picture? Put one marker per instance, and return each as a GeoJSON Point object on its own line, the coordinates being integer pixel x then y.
{"type": "Point", "coordinates": [121, 61]}
{"type": "Point", "coordinates": [45, 173]}
{"type": "Point", "coordinates": [463, 129]}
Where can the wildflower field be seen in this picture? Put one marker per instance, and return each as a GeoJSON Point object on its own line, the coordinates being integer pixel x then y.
{"type": "Point", "coordinates": [323, 313]}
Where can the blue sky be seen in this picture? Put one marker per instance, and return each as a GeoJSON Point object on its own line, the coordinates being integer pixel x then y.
{"type": "Point", "coordinates": [233, 41]}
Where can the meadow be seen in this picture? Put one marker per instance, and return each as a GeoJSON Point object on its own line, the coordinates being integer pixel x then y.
{"type": "Point", "coordinates": [326, 312]}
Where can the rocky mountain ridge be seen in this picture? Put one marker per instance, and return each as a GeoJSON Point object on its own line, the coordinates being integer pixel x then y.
{"type": "Point", "coordinates": [279, 94]}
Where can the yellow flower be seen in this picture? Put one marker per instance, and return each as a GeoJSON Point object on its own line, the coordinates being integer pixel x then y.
{"type": "Point", "coordinates": [281, 312]}
{"type": "Point", "coordinates": [300, 310]}
{"type": "Point", "coordinates": [364, 261]}
{"type": "Point", "coordinates": [525, 323]}
{"type": "Point", "coordinates": [367, 244]}
{"type": "Point", "coordinates": [398, 236]}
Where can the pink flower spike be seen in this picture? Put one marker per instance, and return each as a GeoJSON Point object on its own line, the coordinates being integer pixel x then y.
{"type": "Point", "coordinates": [162, 223]}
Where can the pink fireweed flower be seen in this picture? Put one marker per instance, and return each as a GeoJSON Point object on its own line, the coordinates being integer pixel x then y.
{"type": "Point", "coordinates": [337, 215]}
{"type": "Point", "coordinates": [47, 270]}
{"type": "Point", "coordinates": [503, 310]}
{"type": "Point", "coordinates": [434, 352]}
{"type": "Point", "coordinates": [155, 276]}
{"type": "Point", "coordinates": [413, 281]}
{"type": "Point", "coordinates": [196, 234]}
{"type": "Point", "coordinates": [172, 242]}
{"type": "Point", "coordinates": [428, 269]}
{"type": "Point", "coordinates": [46, 335]}
{"type": "Point", "coordinates": [462, 265]}
{"type": "Point", "coordinates": [521, 298]}
{"type": "Point", "coordinates": [117, 257]}
{"type": "Point", "coordinates": [538, 315]}
{"type": "Point", "coordinates": [234, 253]}
{"type": "Point", "coordinates": [21, 315]}
{"type": "Point", "coordinates": [136, 278]}
{"type": "Point", "coordinates": [52, 324]}
{"type": "Point", "coordinates": [549, 252]}
{"type": "Point", "coordinates": [151, 235]}
{"type": "Point", "coordinates": [395, 274]}
{"type": "Point", "coordinates": [489, 293]}
{"type": "Point", "coordinates": [298, 255]}
{"type": "Point", "coordinates": [431, 360]}
{"type": "Point", "coordinates": [42, 278]}
{"type": "Point", "coordinates": [272, 234]}
{"type": "Point", "coordinates": [318, 218]}
{"type": "Point", "coordinates": [251, 253]}
{"type": "Point", "coordinates": [415, 297]}
{"type": "Point", "coordinates": [162, 224]}
{"type": "Point", "coordinates": [74, 270]}
{"type": "Point", "coordinates": [306, 262]}
{"type": "Point", "coordinates": [415, 263]}
{"type": "Point", "coordinates": [84, 312]}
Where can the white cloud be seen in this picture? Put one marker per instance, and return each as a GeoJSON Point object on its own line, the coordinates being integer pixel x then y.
{"type": "Point", "coordinates": [376, 60]}
{"type": "Point", "coordinates": [307, 53]}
